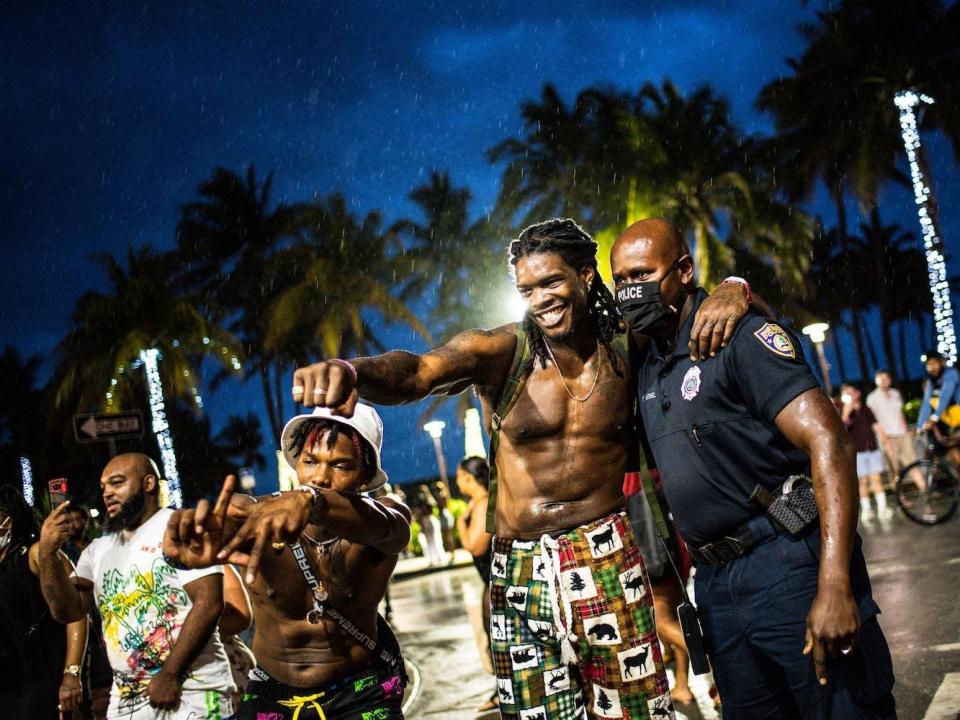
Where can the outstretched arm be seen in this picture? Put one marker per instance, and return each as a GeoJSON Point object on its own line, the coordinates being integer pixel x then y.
{"type": "Point", "coordinates": [475, 357]}
{"type": "Point", "coordinates": [812, 424]}
{"type": "Point", "coordinates": [382, 524]}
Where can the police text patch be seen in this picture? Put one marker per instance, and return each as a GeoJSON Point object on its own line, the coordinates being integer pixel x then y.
{"type": "Point", "coordinates": [776, 340]}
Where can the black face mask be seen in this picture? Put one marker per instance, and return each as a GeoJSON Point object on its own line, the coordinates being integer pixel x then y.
{"type": "Point", "coordinates": [642, 308]}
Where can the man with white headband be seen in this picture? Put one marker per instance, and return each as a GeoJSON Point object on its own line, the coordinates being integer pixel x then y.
{"type": "Point", "coordinates": [321, 646]}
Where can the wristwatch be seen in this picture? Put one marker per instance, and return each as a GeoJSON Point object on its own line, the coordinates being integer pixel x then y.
{"type": "Point", "coordinates": [317, 505]}
{"type": "Point", "coordinates": [72, 670]}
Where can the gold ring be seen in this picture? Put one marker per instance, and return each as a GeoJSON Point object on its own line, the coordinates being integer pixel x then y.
{"type": "Point", "coordinates": [278, 545]}
{"type": "Point", "coordinates": [297, 389]}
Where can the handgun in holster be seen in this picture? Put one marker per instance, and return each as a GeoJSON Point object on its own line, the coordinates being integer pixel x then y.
{"type": "Point", "coordinates": [793, 508]}
{"type": "Point", "coordinates": [693, 637]}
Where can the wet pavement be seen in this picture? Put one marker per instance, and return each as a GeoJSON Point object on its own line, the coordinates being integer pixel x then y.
{"type": "Point", "coordinates": [915, 572]}
{"type": "Point", "coordinates": [916, 578]}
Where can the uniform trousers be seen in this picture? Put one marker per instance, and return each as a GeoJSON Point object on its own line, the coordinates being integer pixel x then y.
{"type": "Point", "coordinates": [753, 610]}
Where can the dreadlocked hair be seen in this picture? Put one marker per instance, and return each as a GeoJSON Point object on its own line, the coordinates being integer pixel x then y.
{"type": "Point", "coordinates": [564, 237]}
{"type": "Point", "coordinates": [311, 431]}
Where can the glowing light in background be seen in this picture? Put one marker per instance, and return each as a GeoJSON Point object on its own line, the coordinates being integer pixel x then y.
{"type": "Point", "coordinates": [26, 477]}
{"type": "Point", "coordinates": [161, 427]}
{"type": "Point", "coordinates": [906, 101]}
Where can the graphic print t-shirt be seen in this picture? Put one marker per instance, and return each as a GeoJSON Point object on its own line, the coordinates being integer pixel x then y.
{"type": "Point", "coordinates": [143, 605]}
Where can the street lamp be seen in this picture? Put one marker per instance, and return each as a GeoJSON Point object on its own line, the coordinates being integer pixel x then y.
{"type": "Point", "coordinates": [817, 332]}
{"type": "Point", "coordinates": [434, 429]}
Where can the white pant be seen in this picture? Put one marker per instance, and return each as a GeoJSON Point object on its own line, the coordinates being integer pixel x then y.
{"type": "Point", "coordinates": [431, 541]}
{"type": "Point", "coordinates": [194, 705]}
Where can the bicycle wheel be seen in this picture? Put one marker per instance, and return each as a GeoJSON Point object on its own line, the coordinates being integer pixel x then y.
{"type": "Point", "coordinates": [927, 491]}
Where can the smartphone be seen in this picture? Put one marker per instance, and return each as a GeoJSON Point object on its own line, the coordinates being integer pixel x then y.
{"type": "Point", "coordinates": [58, 491]}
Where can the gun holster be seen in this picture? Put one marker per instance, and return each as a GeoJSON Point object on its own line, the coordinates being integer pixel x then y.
{"type": "Point", "coordinates": [793, 508]}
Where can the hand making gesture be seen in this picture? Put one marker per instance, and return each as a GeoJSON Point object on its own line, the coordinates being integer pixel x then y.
{"type": "Point", "coordinates": [194, 537]}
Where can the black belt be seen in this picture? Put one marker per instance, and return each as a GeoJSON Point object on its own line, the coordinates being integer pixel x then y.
{"type": "Point", "coordinates": [726, 548]}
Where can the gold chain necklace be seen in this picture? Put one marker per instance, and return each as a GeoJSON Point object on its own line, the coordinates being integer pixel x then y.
{"type": "Point", "coordinates": [563, 382]}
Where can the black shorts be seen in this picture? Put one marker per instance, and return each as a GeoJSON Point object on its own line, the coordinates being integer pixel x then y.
{"type": "Point", "coordinates": [375, 693]}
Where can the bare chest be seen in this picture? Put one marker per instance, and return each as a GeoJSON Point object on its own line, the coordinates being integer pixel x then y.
{"type": "Point", "coordinates": [546, 410]}
{"type": "Point", "coordinates": [283, 585]}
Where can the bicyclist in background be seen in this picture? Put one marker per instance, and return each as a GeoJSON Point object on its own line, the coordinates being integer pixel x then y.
{"type": "Point", "coordinates": [940, 411]}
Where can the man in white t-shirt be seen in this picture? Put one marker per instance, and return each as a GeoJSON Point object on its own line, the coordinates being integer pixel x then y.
{"type": "Point", "coordinates": [887, 407]}
{"type": "Point", "coordinates": [159, 623]}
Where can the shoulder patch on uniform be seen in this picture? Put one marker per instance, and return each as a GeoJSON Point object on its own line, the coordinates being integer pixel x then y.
{"type": "Point", "coordinates": [776, 340]}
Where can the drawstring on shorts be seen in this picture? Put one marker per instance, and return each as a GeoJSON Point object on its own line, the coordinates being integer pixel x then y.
{"type": "Point", "coordinates": [550, 552]}
{"type": "Point", "coordinates": [298, 702]}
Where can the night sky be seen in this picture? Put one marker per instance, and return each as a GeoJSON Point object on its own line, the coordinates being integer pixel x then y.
{"type": "Point", "coordinates": [113, 116]}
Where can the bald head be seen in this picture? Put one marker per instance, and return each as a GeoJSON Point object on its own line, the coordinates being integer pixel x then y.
{"type": "Point", "coordinates": [652, 273]}
{"type": "Point", "coordinates": [661, 237]}
{"type": "Point", "coordinates": [133, 463]}
{"type": "Point", "coordinates": [131, 490]}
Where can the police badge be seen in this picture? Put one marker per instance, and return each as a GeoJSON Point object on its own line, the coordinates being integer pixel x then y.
{"type": "Point", "coordinates": [691, 383]}
{"type": "Point", "coordinates": [776, 340]}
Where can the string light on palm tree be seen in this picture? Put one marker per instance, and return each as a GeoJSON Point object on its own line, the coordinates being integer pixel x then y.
{"type": "Point", "coordinates": [161, 426]}
{"type": "Point", "coordinates": [26, 478]}
{"type": "Point", "coordinates": [906, 102]}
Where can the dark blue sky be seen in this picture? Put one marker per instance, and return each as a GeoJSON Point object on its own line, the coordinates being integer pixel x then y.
{"type": "Point", "coordinates": [113, 116]}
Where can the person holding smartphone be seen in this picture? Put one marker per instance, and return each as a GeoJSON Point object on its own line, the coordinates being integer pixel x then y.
{"type": "Point", "coordinates": [41, 659]}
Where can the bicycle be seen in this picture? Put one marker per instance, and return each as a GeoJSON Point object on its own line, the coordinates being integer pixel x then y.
{"type": "Point", "coordinates": [928, 490]}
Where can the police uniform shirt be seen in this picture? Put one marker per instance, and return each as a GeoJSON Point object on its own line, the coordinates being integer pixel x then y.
{"type": "Point", "coordinates": [711, 425]}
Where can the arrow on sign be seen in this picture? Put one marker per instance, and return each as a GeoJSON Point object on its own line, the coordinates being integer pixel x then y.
{"type": "Point", "coordinates": [109, 426]}
{"type": "Point", "coordinates": [90, 427]}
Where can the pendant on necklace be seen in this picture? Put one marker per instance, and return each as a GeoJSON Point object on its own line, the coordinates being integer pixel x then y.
{"type": "Point", "coordinates": [314, 616]}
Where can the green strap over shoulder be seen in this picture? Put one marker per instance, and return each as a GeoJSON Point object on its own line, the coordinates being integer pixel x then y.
{"type": "Point", "coordinates": [650, 492]}
{"type": "Point", "coordinates": [519, 370]}
{"type": "Point", "coordinates": [522, 361]}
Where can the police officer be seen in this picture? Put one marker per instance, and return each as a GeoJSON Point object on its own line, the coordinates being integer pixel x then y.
{"type": "Point", "coordinates": [789, 622]}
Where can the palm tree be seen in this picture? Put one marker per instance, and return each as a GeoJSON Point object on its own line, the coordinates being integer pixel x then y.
{"type": "Point", "coordinates": [615, 158]}
{"type": "Point", "coordinates": [241, 439]}
{"type": "Point", "coordinates": [548, 172]}
{"type": "Point", "coordinates": [835, 114]}
{"type": "Point", "coordinates": [141, 310]}
{"type": "Point", "coordinates": [460, 266]}
{"type": "Point", "coordinates": [227, 241]}
{"type": "Point", "coordinates": [896, 274]}
{"type": "Point", "coordinates": [342, 268]}
{"type": "Point", "coordinates": [22, 419]}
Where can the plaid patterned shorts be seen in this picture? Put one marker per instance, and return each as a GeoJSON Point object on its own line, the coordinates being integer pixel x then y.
{"type": "Point", "coordinates": [594, 578]}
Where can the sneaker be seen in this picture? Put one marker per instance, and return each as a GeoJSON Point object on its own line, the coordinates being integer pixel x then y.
{"type": "Point", "coordinates": [885, 513]}
{"type": "Point", "coordinates": [867, 514]}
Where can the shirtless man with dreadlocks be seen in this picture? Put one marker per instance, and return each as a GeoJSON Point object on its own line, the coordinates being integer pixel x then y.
{"type": "Point", "coordinates": [572, 625]}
